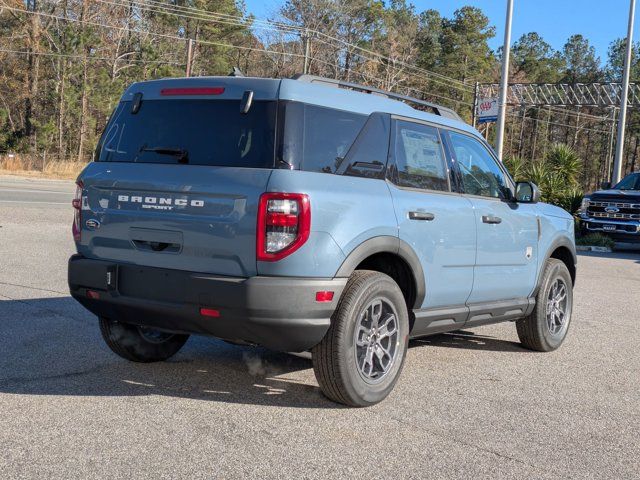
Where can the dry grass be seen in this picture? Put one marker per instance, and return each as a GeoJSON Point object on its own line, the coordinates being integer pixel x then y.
{"type": "Point", "coordinates": [31, 165]}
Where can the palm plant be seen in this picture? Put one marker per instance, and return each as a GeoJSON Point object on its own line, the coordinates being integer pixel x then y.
{"type": "Point", "coordinates": [556, 175]}
{"type": "Point", "coordinates": [565, 162]}
{"type": "Point", "coordinates": [516, 166]}
{"type": "Point", "coordinates": [538, 172]}
{"type": "Point", "coordinates": [571, 200]}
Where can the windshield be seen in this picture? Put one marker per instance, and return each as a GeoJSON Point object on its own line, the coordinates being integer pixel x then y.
{"type": "Point", "coordinates": [197, 132]}
{"type": "Point", "coordinates": [630, 182]}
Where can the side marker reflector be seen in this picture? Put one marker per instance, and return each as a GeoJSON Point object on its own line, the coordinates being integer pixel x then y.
{"type": "Point", "coordinates": [93, 294]}
{"type": "Point", "coordinates": [210, 312]}
{"type": "Point", "coordinates": [324, 296]}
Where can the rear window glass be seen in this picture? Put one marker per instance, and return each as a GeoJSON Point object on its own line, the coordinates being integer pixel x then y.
{"type": "Point", "coordinates": [197, 132]}
{"type": "Point", "coordinates": [316, 139]}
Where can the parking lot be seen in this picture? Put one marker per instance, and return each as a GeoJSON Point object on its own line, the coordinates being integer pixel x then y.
{"type": "Point", "coordinates": [468, 404]}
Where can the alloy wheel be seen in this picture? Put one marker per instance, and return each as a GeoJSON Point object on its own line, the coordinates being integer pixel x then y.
{"type": "Point", "coordinates": [376, 340]}
{"type": "Point", "coordinates": [557, 308]}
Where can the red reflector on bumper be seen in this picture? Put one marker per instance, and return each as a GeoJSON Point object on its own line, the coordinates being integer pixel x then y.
{"type": "Point", "coordinates": [324, 296]}
{"type": "Point", "coordinates": [209, 312]}
{"type": "Point", "coordinates": [93, 294]}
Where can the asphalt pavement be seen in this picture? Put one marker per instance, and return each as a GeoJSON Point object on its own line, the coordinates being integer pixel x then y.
{"type": "Point", "coordinates": [471, 404]}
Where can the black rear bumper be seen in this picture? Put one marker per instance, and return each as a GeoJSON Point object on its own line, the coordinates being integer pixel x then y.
{"type": "Point", "coordinates": [280, 313]}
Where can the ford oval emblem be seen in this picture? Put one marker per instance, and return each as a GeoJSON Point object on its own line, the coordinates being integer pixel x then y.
{"type": "Point", "coordinates": [612, 209]}
{"type": "Point", "coordinates": [92, 224]}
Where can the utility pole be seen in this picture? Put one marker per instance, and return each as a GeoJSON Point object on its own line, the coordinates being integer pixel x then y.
{"type": "Point", "coordinates": [306, 43]}
{"type": "Point", "coordinates": [474, 113]}
{"type": "Point", "coordinates": [190, 44]}
{"type": "Point", "coordinates": [504, 81]}
{"type": "Point", "coordinates": [622, 121]}
{"type": "Point", "coordinates": [610, 149]}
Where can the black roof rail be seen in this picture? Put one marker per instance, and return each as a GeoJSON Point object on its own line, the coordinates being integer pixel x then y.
{"type": "Point", "coordinates": [436, 109]}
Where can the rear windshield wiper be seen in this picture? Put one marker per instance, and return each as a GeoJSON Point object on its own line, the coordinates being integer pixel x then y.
{"type": "Point", "coordinates": [181, 154]}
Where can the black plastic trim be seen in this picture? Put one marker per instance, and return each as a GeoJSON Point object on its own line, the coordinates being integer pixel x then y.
{"type": "Point", "coordinates": [438, 320]}
{"type": "Point", "coordinates": [387, 244]}
{"type": "Point", "coordinates": [441, 320]}
{"type": "Point", "coordinates": [500, 311]}
{"type": "Point", "coordinates": [280, 313]}
{"type": "Point", "coordinates": [557, 243]}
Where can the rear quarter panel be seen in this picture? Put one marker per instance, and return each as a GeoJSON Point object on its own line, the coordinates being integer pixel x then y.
{"type": "Point", "coordinates": [345, 211]}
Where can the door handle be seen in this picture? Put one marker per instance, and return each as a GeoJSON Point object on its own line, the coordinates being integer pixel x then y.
{"type": "Point", "coordinates": [491, 219]}
{"type": "Point", "coordinates": [426, 216]}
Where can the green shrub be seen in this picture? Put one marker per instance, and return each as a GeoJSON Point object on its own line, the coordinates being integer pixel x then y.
{"type": "Point", "coordinates": [564, 161]}
{"type": "Point", "coordinates": [539, 173]}
{"type": "Point", "coordinates": [517, 168]}
{"type": "Point", "coordinates": [595, 240]}
{"type": "Point", "coordinates": [556, 175]}
{"type": "Point", "coordinates": [570, 200]}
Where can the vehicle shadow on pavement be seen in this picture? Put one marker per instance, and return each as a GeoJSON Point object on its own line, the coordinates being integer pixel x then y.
{"type": "Point", "coordinates": [52, 346]}
{"type": "Point", "coordinates": [469, 340]}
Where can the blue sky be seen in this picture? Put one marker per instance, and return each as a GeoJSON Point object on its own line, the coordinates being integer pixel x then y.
{"type": "Point", "coordinates": [601, 21]}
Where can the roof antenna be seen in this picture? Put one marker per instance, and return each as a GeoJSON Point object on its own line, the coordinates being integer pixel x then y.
{"type": "Point", "coordinates": [236, 72]}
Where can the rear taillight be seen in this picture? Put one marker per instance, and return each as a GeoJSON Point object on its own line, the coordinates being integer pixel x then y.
{"type": "Point", "coordinates": [77, 212]}
{"type": "Point", "coordinates": [284, 223]}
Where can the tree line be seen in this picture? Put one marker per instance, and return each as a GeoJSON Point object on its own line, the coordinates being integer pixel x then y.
{"type": "Point", "coordinates": [66, 62]}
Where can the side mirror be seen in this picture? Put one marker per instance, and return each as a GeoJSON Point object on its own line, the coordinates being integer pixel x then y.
{"type": "Point", "coordinates": [527, 192]}
{"type": "Point", "coordinates": [605, 185]}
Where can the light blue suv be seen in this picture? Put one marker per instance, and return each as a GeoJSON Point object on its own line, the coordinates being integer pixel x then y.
{"type": "Point", "coordinates": [309, 214]}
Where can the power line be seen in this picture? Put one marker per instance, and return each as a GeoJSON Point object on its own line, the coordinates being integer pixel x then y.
{"type": "Point", "coordinates": [176, 10]}
{"type": "Point", "coordinates": [88, 57]}
{"type": "Point", "coordinates": [188, 12]}
{"type": "Point", "coordinates": [557, 124]}
{"type": "Point", "coordinates": [156, 34]}
{"type": "Point", "coordinates": [462, 102]}
{"type": "Point", "coordinates": [438, 81]}
{"type": "Point", "coordinates": [577, 114]}
{"type": "Point", "coordinates": [163, 35]}
{"type": "Point", "coordinates": [399, 62]}
{"type": "Point", "coordinates": [422, 92]}
{"type": "Point", "coordinates": [206, 42]}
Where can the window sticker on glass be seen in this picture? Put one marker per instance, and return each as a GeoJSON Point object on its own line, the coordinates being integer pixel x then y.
{"type": "Point", "coordinates": [419, 158]}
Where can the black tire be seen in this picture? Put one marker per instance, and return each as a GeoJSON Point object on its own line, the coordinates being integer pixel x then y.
{"type": "Point", "coordinates": [534, 331]}
{"type": "Point", "coordinates": [140, 344]}
{"type": "Point", "coordinates": [335, 358]}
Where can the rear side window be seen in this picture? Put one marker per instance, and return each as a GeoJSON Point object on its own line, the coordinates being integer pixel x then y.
{"type": "Point", "coordinates": [197, 132]}
{"type": "Point", "coordinates": [316, 139]}
{"type": "Point", "coordinates": [367, 157]}
{"type": "Point", "coordinates": [419, 157]}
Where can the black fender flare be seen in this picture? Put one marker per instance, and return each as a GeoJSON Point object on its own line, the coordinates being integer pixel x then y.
{"type": "Point", "coordinates": [387, 244]}
{"type": "Point", "coordinates": [562, 241]}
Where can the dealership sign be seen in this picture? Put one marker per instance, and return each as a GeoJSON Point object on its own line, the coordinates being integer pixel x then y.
{"type": "Point", "coordinates": [487, 110]}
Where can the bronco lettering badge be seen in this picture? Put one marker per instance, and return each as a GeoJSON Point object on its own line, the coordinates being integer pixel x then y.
{"type": "Point", "coordinates": [159, 203]}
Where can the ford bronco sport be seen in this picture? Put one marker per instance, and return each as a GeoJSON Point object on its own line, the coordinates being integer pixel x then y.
{"type": "Point", "coordinates": [309, 214]}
